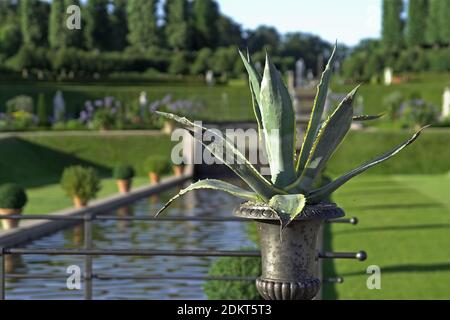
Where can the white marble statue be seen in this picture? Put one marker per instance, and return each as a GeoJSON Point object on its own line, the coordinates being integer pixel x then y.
{"type": "Point", "coordinates": [59, 107]}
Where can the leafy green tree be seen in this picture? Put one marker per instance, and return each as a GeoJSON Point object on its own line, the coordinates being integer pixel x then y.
{"type": "Point", "coordinates": [10, 38]}
{"type": "Point", "coordinates": [56, 25]}
{"type": "Point", "coordinates": [224, 60]}
{"type": "Point", "coordinates": [432, 29]}
{"type": "Point", "coordinates": [444, 22]}
{"type": "Point", "coordinates": [416, 24]}
{"type": "Point", "coordinates": [34, 21]}
{"type": "Point", "coordinates": [263, 37]}
{"type": "Point", "coordinates": [119, 25]}
{"type": "Point", "coordinates": [177, 24]}
{"type": "Point", "coordinates": [97, 29]}
{"type": "Point", "coordinates": [10, 32]}
{"type": "Point", "coordinates": [205, 22]}
{"type": "Point", "coordinates": [230, 32]}
{"type": "Point", "coordinates": [178, 63]}
{"type": "Point", "coordinates": [142, 24]}
{"type": "Point", "coordinates": [392, 29]}
{"type": "Point", "coordinates": [73, 38]}
{"type": "Point", "coordinates": [202, 61]}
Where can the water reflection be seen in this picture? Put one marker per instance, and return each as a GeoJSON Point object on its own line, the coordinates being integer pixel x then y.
{"type": "Point", "coordinates": [138, 234]}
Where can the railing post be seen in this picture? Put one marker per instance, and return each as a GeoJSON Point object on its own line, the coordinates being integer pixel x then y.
{"type": "Point", "coordinates": [2, 274]}
{"type": "Point", "coordinates": [87, 258]}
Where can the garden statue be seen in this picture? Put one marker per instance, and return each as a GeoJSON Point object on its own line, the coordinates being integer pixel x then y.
{"type": "Point", "coordinates": [289, 208]}
{"type": "Point", "coordinates": [299, 73]}
{"type": "Point", "coordinates": [388, 76]}
{"type": "Point", "coordinates": [143, 102]}
{"type": "Point", "coordinates": [310, 76]}
{"type": "Point", "coordinates": [446, 104]}
{"type": "Point", "coordinates": [209, 77]}
{"type": "Point", "coordinates": [59, 107]}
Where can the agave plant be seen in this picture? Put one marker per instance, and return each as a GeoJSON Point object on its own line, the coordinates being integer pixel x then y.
{"type": "Point", "coordinates": [293, 174]}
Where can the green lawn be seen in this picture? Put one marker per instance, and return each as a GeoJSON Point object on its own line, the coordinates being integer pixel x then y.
{"type": "Point", "coordinates": [34, 161]}
{"type": "Point", "coordinates": [405, 229]}
{"type": "Point", "coordinates": [51, 198]}
{"type": "Point", "coordinates": [428, 85]}
{"type": "Point", "coordinates": [425, 156]}
{"type": "Point", "coordinates": [220, 103]}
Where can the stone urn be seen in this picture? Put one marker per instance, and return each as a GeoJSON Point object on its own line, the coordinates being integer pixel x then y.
{"type": "Point", "coordinates": [290, 259]}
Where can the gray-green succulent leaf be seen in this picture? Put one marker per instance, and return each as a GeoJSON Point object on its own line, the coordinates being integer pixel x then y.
{"type": "Point", "coordinates": [287, 207]}
{"type": "Point", "coordinates": [368, 117]}
{"type": "Point", "coordinates": [328, 140]}
{"type": "Point", "coordinates": [279, 125]}
{"type": "Point", "coordinates": [215, 185]}
{"type": "Point", "coordinates": [240, 165]}
{"type": "Point", "coordinates": [321, 193]}
{"type": "Point", "coordinates": [316, 115]}
{"type": "Point", "coordinates": [255, 89]}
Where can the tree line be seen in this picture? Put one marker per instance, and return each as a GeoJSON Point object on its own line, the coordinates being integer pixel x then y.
{"type": "Point", "coordinates": [415, 38]}
{"type": "Point", "coordinates": [427, 23]}
{"type": "Point", "coordinates": [170, 36]}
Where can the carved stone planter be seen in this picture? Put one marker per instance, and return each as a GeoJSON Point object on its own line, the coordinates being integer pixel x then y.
{"type": "Point", "coordinates": [289, 264]}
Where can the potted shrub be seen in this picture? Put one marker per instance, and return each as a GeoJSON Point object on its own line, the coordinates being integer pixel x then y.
{"type": "Point", "coordinates": [287, 208]}
{"type": "Point", "coordinates": [124, 175]}
{"type": "Point", "coordinates": [156, 166]}
{"type": "Point", "coordinates": [12, 200]}
{"type": "Point", "coordinates": [81, 184]}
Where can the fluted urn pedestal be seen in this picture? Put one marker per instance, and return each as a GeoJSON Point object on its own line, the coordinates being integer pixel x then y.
{"type": "Point", "coordinates": [289, 263]}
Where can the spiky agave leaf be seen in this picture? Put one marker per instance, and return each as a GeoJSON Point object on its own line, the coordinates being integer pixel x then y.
{"type": "Point", "coordinates": [328, 140]}
{"type": "Point", "coordinates": [255, 89]}
{"type": "Point", "coordinates": [215, 185]}
{"type": "Point", "coordinates": [369, 117]}
{"type": "Point", "coordinates": [321, 193]}
{"type": "Point", "coordinates": [316, 115]}
{"type": "Point", "coordinates": [241, 166]}
{"type": "Point", "coordinates": [287, 207]}
{"type": "Point", "coordinates": [278, 119]}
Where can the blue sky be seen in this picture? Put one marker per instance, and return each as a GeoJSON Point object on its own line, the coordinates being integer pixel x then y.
{"type": "Point", "coordinates": [348, 21]}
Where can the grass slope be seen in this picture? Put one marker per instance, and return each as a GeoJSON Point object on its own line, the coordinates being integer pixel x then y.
{"type": "Point", "coordinates": [404, 227]}
{"type": "Point", "coordinates": [51, 198]}
{"type": "Point", "coordinates": [425, 156]}
{"type": "Point", "coordinates": [39, 160]}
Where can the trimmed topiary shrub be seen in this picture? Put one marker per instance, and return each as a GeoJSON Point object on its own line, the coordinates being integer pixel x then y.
{"type": "Point", "coordinates": [234, 290]}
{"type": "Point", "coordinates": [81, 182]}
{"type": "Point", "coordinates": [12, 196]}
{"type": "Point", "coordinates": [158, 164]}
{"type": "Point", "coordinates": [123, 172]}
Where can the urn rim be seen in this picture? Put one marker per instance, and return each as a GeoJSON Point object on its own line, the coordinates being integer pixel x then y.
{"type": "Point", "coordinates": [320, 211]}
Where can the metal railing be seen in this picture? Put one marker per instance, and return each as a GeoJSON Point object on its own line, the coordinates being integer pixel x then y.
{"type": "Point", "coordinates": [88, 251]}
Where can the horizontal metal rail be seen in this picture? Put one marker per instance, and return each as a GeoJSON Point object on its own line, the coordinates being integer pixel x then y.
{"type": "Point", "coordinates": [145, 277]}
{"type": "Point", "coordinates": [89, 252]}
{"type": "Point", "coordinates": [361, 255]}
{"type": "Point", "coordinates": [132, 252]}
{"type": "Point", "coordinates": [94, 217]}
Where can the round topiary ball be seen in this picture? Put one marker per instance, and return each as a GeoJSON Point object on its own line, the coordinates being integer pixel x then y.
{"type": "Point", "coordinates": [12, 196]}
{"type": "Point", "coordinates": [123, 172]}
